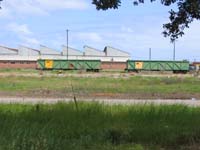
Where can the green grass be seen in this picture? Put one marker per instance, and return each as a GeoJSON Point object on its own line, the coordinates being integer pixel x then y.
{"type": "Point", "coordinates": [98, 126]}
{"type": "Point", "coordinates": [7, 70]}
{"type": "Point", "coordinates": [132, 85]}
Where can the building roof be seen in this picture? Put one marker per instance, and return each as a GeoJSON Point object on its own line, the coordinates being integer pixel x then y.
{"type": "Point", "coordinates": [111, 51]}
{"type": "Point", "coordinates": [90, 51]}
{"type": "Point", "coordinates": [44, 50]}
{"type": "Point", "coordinates": [26, 51]}
{"type": "Point", "coordinates": [6, 50]}
{"type": "Point", "coordinates": [71, 51]}
{"type": "Point", "coordinates": [30, 48]}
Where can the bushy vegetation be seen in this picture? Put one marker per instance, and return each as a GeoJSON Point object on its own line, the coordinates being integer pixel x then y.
{"type": "Point", "coordinates": [97, 126]}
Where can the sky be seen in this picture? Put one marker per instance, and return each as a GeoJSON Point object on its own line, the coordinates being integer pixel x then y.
{"type": "Point", "coordinates": [134, 29]}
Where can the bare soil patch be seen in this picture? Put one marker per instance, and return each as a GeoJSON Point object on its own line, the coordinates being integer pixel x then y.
{"type": "Point", "coordinates": [62, 94]}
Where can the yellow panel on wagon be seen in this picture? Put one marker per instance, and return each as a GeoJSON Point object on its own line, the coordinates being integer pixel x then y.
{"type": "Point", "coordinates": [48, 64]}
{"type": "Point", "coordinates": [138, 65]}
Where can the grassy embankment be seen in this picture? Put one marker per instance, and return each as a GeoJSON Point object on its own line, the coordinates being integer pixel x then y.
{"type": "Point", "coordinates": [98, 126]}
{"type": "Point", "coordinates": [132, 87]}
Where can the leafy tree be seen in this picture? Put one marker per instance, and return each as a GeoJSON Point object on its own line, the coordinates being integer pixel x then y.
{"type": "Point", "coordinates": [188, 10]}
{"type": "Point", "coordinates": [0, 3]}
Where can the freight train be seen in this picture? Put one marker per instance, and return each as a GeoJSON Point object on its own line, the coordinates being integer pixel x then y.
{"type": "Point", "coordinates": [131, 65]}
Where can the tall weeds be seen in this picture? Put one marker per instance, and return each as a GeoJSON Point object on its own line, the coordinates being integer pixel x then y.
{"type": "Point", "coordinates": [98, 126]}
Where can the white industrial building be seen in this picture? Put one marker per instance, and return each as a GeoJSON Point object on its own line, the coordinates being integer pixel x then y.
{"type": "Point", "coordinates": [8, 51]}
{"type": "Point", "coordinates": [49, 53]}
{"type": "Point", "coordinates": [111, 51]}
{"type": "Point", "coordinates": [109, 54]}
{"type": "Point", "coordinates": [44, 50]}
{"type": "Point", "coordinates": [116, 54]}
{"type": "Point", "coordinates": [27, 54]}
{"type": "Point", "coordinates": [27, 51]}
{"type": "Point", "coordinates": [71, 51]}
{"type": "Point", "coordinates": [89, 51]}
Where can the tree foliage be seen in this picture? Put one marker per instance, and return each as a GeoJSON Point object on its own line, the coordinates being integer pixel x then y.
{"type": "Point", "coordinates": [0, 3]}
{"type": "Point", "coordinates": [187, 11]}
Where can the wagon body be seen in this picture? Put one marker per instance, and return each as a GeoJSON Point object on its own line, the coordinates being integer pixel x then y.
{"type": "Point", "coordinates": [175, 66]}
{"type": "Point", "coordinates": [88, 65]}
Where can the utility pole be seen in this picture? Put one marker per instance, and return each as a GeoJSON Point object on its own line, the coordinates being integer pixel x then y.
{"type": "Point", "coordinates": [149, 53]}
{"type": "Point", "coordinates": [174, 55]}
{"type": "Point", "coordinates": [67, 40]}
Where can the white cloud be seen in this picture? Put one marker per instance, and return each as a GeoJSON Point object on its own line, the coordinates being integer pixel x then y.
{"type": "Point", "coordinates": [19, 29]}
{"type": "Point", "coordinates": [38, 7]}
{"type": "Point", "coordinates": [5, 13]}
{"type": "Point", "coordinates": [23, 33]}
{"type": "Point", "coordinates": [62, 4]}
{"type": "Point", "coordinates": [30, 40]}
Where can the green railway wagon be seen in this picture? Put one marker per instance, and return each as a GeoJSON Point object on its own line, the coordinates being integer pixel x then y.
{"type": "Point", "coordinates": [175, 66]}
{"type": "Point", "coordinates": [88, 65]}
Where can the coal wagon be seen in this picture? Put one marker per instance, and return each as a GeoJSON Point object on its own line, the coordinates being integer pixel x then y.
{"type": "Point", "coordinates": [145, 65]}
{"type": "Point", "coordinates": [88, 65]}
